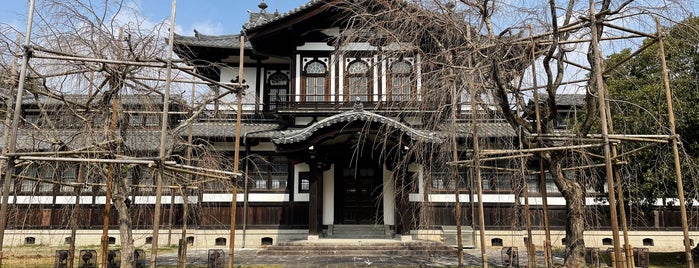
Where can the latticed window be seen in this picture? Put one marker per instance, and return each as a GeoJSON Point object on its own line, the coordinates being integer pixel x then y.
{"type": "Point", "coordinates": [315, 81]}
{"type": "Point", "coordinates": [278, 85]}
{"type": "Point", "coordinates": [28, 185]}
{"type": "Point", "coordinates": [270, 173]}
{"type": "Point", "coordinates": [442, 177]}
{"type": "Point", "coordinates": [68, 176]}
{"type": "Point", "coordinates": [46, 173]}
{"type": "Point", "coordinates": [401, 85]}
{"type": "Point", "coordinates": [358, 81]}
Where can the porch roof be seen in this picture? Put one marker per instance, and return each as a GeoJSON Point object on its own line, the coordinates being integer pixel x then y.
{"type": "Point", "coordinates": [358, 114]}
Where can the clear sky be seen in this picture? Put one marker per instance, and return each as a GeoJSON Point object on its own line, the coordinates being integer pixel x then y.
{"type": "Point", "coordinates": [207, 16]}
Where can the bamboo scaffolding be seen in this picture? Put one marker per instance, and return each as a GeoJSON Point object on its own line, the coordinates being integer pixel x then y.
{"type": "Point", "coordinates": [548, 255]}
{"type": "Point", "coordinates": [599, 83]}
{"type": "Point", "coordinates": [455, 157]}
{"type": "Point", "coordinates": [163, 137]}
{"type": "Point", "coordinates": [182, 250]}
{"type": "Point", "coordinates": [675, 145]}
{"type": "Point", "coordinates": [12, 137]}
{"type": "Point", "coordinates": [236, 157]}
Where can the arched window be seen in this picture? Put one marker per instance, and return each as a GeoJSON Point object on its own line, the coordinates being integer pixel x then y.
{"type": "Point", "coordinates": [400, 79]}
{"type": "Point", "coordinates": [358, 81]}
{"type": "Point", "coordinates": [220, 241]}
{"type": "Point", "coordinates": [315, 87]}
{"type": "Point", "coordinates": [278, 85]}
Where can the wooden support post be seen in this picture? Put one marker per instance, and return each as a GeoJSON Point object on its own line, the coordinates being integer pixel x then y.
{"type": "Point", "coordinates": [12, 137]}
{"type": "Point", "coordinates": [163, 139]}
{"type": "Point", "coordinates": [599, 82]}
{"type": "Point", "coordinates": [675, 149]}
{"type": "Point", "coordinates": [236, 164]}
{"type": "Point", "coordinates": [548, 255]}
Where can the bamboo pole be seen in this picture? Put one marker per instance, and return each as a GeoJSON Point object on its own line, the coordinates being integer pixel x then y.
{"type": "Point", "coordinates": [599, 82]}
{"type": "Point", "coordinates": [531, 247]}
{"type": "Point", "coordinates": [455, 157]}
{"type": "Point", "coordinates": [12, 144]}
{"type": "Point", "coordinates": [236, 158]}
{"type": "Point", "coordinates": [75, 214]}
{"type": "Point", "coordinates": [675, 149]}
{"type": "Point", "coordinates": [182, 252]}
{"type": "Point", "coordinates": [548, 258]}
{"type": "Point", "coordinates": [622, 209]}
{"type": "Point", "coordinates": [104, 241]}
{"type": "Point", "coordinates": [477, 171]}
{"type": "Point", "coordinates": [163, 138]}
{"type": "Point", "coordinates": [5, 137]}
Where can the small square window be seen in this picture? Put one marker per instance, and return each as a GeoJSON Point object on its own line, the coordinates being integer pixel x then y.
{"type": "Point", "coordinates": [304, 182]}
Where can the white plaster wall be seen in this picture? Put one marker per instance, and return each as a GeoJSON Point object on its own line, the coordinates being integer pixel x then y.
{"type": "Point", "coordinates": [329, 196]}
{"type": "Point", "coordinates": [250, 76]}
{"type": "Point", "coordinates": [300, 197]}
{"type": "Point", "coordinates": [389, 199]}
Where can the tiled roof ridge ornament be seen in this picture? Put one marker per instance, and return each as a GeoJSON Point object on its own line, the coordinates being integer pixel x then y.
{"type": "Point", "coordinates": [358, 105]}
{"type": "Point", "coordinates": [262, 7]}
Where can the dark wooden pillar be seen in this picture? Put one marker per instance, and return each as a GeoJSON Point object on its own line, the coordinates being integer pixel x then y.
{"type": "Point", "coordinates": [402, 204]}
{"type": "Point", "coordinates": [315, 193]}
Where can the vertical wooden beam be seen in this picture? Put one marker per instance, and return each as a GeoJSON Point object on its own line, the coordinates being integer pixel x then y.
{"type": "Point", "coordinates": [75, 214]}
{"type": "Point", "coordinates": [675, 149]}
{"type": "Point", "coordinates": [601, 98]}
{"type": "Point", "coordinates": [313, 201]}
{"type": "Point", "coordinates": [182, 250]}
{"type": "Point", "coordinates": [163, 138]}
{"type": "Point", "coordinates": [628, 249]}
{"type": "Point", "coordinates": [236, 157]}
{"type": "Point", "coordinates": [12, 137]}
{"type": "Point", "coordinates": [476, 167]}
{"type": "Point", "coordinates": [548, 255]}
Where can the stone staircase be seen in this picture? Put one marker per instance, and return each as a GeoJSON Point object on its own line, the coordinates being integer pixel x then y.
{"type": "Point", "coordinates": [358, 231]}
{"type": "Point", "coordinates": [357, 247]}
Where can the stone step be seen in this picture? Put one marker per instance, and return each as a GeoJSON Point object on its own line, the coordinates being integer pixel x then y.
{"type": "Point", "coordinates": [357, 248]}
{"type": "Point", "coordinates": [357, 231]}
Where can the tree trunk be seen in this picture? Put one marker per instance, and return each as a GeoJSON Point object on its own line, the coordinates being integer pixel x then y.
{"type": "Point", "coordinates": [574, 195]}
{"type": "Point", "coordinates": [127, 247]}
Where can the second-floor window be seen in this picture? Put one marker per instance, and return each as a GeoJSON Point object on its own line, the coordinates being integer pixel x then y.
{"type": "Point", "coordinates": [358, 81]}
{"type": "Point", "coordinates": [400, 88]}
{"type": "Point", "coordinates": [278, 85]}
{"type": "Point", "coordinates": [315, 89]}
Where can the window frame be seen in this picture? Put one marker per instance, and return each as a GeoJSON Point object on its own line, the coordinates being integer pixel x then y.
{"type": "Point", "coordinates": [349, 84]}
{"type": "Point", "coordinates": [315, 76]}
{"type": "Point", "coordinates": [274, 100]}
{"type": "Point", "coordinates": [406, 77]}
{"type": "Point", "coordinates": [267, 170]}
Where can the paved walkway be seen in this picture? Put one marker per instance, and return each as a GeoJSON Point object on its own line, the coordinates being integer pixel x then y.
{"type": "Point", "coordinates": [198, 257]}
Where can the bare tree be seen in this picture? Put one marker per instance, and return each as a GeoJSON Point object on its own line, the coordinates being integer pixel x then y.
{"type": "Point", "coordinates": [96, 72]}
{"type": "Point", "coordinates": [492, 47]}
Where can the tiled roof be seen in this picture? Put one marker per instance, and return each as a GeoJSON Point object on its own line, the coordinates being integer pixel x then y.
{"type": "Point", "coordinates": [231, 41]}
{"type": "Point", "coordinates": [357, 114]}
{"type": "Point", "coordinates": [227, 129]}
{"type": "Point", "coordinates": [141, 99]}
{"type": "Point", "coordinates": [251, 25]}
{"type": "Point", "coordinates": [485, 130]}
{"type": "Point", "coordinates": [42, 140]}
{"type": "Point", "coordinates": [567, 99]}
